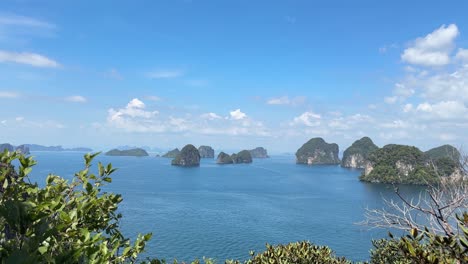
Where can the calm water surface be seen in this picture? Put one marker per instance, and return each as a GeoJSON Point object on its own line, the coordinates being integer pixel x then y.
{"type": "Point", "coordinates": [223, 211]}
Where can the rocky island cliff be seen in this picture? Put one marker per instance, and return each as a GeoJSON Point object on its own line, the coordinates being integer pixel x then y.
{"type": "Point", "coordinates": [408, 165]}
{"type": "Point", "coordinates": [357, 154]}
{"type": "Point", "coordinates": [137, 152]}
{"type": "Point", "coordinates": [243, 156]}
{"type": "Point", "coordinates": [317, 151]}
{"type": "Point", "coordinates": [21, 148]}
{"type": "Point", "coordinates": [188, 157]}
{"type": "Point", "coordinates": [206, 152]}
{"type": "Point", "coordinates": [259, 153]}
{"type": "Point", "coordinates": [171, 154]}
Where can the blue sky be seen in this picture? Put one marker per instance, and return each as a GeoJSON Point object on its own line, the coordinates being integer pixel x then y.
{"type": "Point", "coordinates": [233, 74]}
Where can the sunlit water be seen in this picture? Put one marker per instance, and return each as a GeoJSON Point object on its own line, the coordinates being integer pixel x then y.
{"type": "Point", "coordinates": [224, 211]}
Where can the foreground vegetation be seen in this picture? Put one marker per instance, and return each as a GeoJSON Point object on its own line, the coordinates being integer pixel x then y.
{"type": "Point", "coordinates": [77, 222]}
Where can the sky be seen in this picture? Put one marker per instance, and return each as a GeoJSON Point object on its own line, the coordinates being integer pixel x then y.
{"type": "Point", "coordinates": [233, 74]}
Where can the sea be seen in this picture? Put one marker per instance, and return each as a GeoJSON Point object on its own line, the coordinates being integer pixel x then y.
{"type": "Point", "coordinates": [225, 211]}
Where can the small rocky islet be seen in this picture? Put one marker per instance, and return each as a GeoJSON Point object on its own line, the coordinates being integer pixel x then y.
{"type": "Point", "coordinates": [259, 153]}
{"type": "Point", "coordinates": [136, 152]}
{"type": "Point", "coordinates": [243, 156]}
{"type": "Point", "coordinates": [206, 152]}
{"type": "Point", "coordinates": [187, 157]}
{"type": "Point", "coordinates": [318, 152]}
{"type": "Point", "coordinates": [171, 154]}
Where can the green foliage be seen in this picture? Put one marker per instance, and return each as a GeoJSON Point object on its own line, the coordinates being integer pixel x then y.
{"type": "Point", "coordinates": [188, 157]}
{"type": "Point", "coordinates": [400, 164]}
{"type": "Point", "coordinates": [424, 247]}
{"type": "Point", "coordinates": [362, 147]}
{"type": "Point", "coordinates": [321, 151]}
{"type": "Point", "coordinates": [444, 151]}
{"type": "Point", "coordinates": [63, 222]}
{"type": "Point", "coordinates": [300, 252]}
{"type": "Point", "coordinates": [137, 152]}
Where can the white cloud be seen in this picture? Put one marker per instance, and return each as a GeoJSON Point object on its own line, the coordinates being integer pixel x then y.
{"type": "Point", "coordinates": [391, 99]}
{"type": "Point", "coordinates": [135, 118]}
{"type": "Point", "coordinates": [210, 116]}
{"type": "Point", "coordinates": [407, 108]}
{"type": "Point", "coordinates": [237, 114]}
{"type": "Point", "coordinates": [462, 55]}
{"type": "Point", "coordinates": [76, 99]}
{"type": "Point", "coordinates": [32, 59]}
{"type": "Point", "coordinates": [285, 100]}
{"type": "Point", "coordinates": [164, 74]}
{"type": "Point", "coordinates": [443, 110]}
{"type": "Point", "coordinates": [7, 94]}
{"type": "Point", "coordinates": [433, 49]}
{"type": "Point", "coordinates": [309, 119]}
{"type": "Point", "coordinates": [19, 119]}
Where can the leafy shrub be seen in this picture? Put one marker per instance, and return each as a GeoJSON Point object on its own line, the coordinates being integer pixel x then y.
{"type": "Point", "coordinates": [63, 222]}
{"type": "Point", "coordinates": [424, 247]}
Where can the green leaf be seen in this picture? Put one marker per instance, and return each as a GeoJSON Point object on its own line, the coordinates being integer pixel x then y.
{"type": "Point", "coordinates": [42, 249]}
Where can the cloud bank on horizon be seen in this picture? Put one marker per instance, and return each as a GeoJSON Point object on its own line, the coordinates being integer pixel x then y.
{"type": "Point", "coordinates": [65, 83]}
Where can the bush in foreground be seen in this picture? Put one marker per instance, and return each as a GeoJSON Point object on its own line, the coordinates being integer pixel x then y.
{"type": "Point", "coordinates": [63, 222]}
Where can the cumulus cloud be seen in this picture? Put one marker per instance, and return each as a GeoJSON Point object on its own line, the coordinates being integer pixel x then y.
{"type": "Point", "coordinates": [309, 119]}
{"type": "Point", "coordinates": [136, 118]}
{"type": "Point", "coordinates": [462, 55]}
{"type": "Point", "coordinates": [433, 49]}
{"type": "Point", "coordinates": [237, 114]}
{"type": "Point", "coordinates": [76, 99]}
{"type": "Point", "coordinates": [31, 59]}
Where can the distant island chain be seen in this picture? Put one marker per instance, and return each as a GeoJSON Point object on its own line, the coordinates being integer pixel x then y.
{"type": "Point", "coordinates": [393, 164]}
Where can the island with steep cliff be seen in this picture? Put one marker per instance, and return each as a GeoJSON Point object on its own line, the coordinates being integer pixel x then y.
{"type": "Point", "coordinates": [137, 152]}
{"type": "Point", "coordinates": [357, 154]}
{"type": "Point", "coordinates": [243, 156]}
{"type": "Point", "coordinates": [259, 153]}
{"type": "Point", "coordinates": [171, 154]}
{"type": "Point", "coordinates": [316, 151]}
{"type": "Point", "coordinates": [187, 157]}
{"type": "Point", "coordinates": [21, 148]}
{"type": "Point", "coordinates": [408, 165]}
{"type": "Point", "coordinates": [206, 152]}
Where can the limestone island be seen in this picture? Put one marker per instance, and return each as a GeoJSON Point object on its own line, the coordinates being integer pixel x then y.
{"type": "Point", "coordinates": [206, 152]}
{"type": "Point", "coordinates": [171, 154]}
{"type": "Point", "coordinates": [137, 152]}
{"type": "Point", "coordinates": [24, 149]}
{"type": "Point", "coordinates": [401, 164]}
{"type": "Point", "coordinates": [188, 157]}
{"type": "Point", "coordinates": [357, 154]}
{"type": "Point", "coordinates": [259, 153]}
{"type": "Point", "coordinates": [316, 151]}
{"type": "Point", "coordinates": [243, 156]}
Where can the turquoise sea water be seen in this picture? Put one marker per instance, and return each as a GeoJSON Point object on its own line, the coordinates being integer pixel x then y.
{"type": "Point", "coordinates": [223, 211]}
